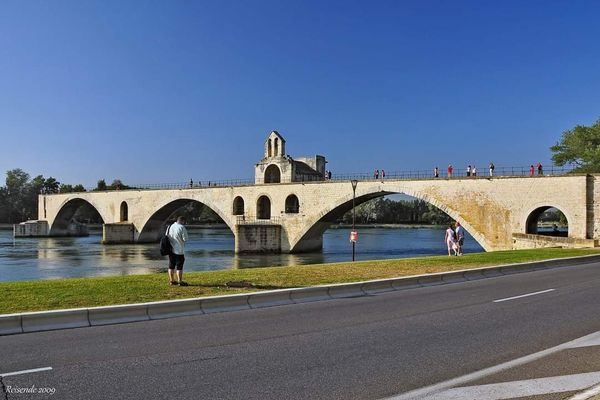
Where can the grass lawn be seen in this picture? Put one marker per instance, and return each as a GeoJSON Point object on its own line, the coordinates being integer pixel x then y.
{"type": "Point", "coordinates": [89, 292]}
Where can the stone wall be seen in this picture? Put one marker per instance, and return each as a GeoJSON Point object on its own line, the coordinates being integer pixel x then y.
{"type": "Point", "coordinates": [528, 241]}
{"type": "Point", "coordinates": [258, 239]}
{"type": "Point", "coordinates": [118, 233]}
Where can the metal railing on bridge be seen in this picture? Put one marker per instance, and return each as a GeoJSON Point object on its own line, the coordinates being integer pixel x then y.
{"type": "Point", "coordinates": [252, 220]}
{"type": "Point", "coordinates": [361, 176]}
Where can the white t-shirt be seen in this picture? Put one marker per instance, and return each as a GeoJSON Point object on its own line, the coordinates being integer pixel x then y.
{"type": "Point", "coordinates": [450, 235]}
{"type": "Point", "coordinates": [177, 235]}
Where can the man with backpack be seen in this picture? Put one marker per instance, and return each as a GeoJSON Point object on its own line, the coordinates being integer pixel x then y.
{"type": "Point", "coordinates": [177, 235]}
{"type": "Point", "coordinates": [460, 238]}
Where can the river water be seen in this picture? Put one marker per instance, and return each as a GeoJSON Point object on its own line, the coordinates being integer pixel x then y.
{"type": "Point", "coordinates": [208, 249]}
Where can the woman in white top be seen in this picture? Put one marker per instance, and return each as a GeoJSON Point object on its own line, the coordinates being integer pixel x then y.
{"type": "Point", "coordinates": [450, 240]}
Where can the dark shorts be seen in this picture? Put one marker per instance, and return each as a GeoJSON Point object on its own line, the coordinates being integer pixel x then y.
{"type": "Point", "coordinates": [176, 260]}
{"type": "Point", "coordinates": [461, 241]}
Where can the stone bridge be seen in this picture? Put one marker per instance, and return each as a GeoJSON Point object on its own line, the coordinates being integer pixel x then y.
{"type": "Point", "coordinates": [292, 217]}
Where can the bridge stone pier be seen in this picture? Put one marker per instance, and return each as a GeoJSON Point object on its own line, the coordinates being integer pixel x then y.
{"type": "Point", "coordinates": [292, 217]}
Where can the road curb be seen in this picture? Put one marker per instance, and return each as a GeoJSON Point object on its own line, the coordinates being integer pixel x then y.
{"type": "Point", "coordinates": [108, 315]}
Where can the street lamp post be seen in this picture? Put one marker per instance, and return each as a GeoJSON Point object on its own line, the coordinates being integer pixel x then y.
{"type": "Point", "coordinates": [353, 238]}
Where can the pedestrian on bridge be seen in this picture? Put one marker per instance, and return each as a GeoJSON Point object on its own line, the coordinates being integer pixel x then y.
{"type": "Point", "coordinates": [177, 235]}
{"type": "Point", "coordinates": [492, 168]}
{"type": "Point", "coordinates": [450, 169]}
{"type": "Point", "coordinates": [376, 174]}
{"type": "Point", "coordinates": [531, 170]}
{"type": "Point", "coordinates": [474, 171]}
{"type": "Point", "coordinates": [469, 170]}
{"type": "Point", "coordinates": [191, 183]}
{"type": "Point", "coordinates": [436, 172]}
{"type": "Point", "coordinates": [382, 174]}
{"type": "Point", "coordinates": [539, 168]}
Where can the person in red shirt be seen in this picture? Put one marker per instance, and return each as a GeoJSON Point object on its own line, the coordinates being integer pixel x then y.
{"type": "Point", "coordinates": [531, 170]}
{"type": "Point", "coordinates": [450, 169]}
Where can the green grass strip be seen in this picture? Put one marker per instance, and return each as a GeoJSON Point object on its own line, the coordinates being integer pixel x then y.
{"type": "Point", "coordinates": [89, 292]}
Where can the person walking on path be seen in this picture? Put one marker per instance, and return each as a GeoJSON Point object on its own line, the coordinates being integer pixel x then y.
{"type": "Point", "coordinates": [436, 172]}
{"type": "Point", "coordinates": [450, 169]}
{"type": "Point", "coordinates": [531, 170]}
{"type": "Point", "coordinates": [450, 240]}
{"type": "Point", "coordinates": [382, 174]}
{"type": "Point", "coordinates": [539, 168]}
{"type": "Point", "coordinates": [460, 237]}
{"type": "Point", "coordinates": [191, 183]}
{"type": "Point", "coordinates": [177, 235]}
{"type": "Point", "coordinates": [469, 170]}
{"type": "Point", "coordinates": [474, 171]}
{"type": "Point", "coordinates": [492, 168]}
{"type": "Point", "coordinates": [376, 174]}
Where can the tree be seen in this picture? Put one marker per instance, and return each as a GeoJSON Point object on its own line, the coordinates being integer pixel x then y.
{"type": "Point", "coordinates": [3, 205]}
{"type": "Point", "coordinates": [101, 186]}
{"type": "Point", "coordinates": [78, 188]}
{"type": "Point", "coordinates": [66, 188]}
{"type": "Point", "coordinates": [580, 147]}
{"type": "Point", "coordinates": [30, 200]}
{"type": "Point", "coordinates": [51, 185]}
{"type": "Point", "coordinates": [16, 188]}
{"type": "Point", "coordinates": [116, 185]}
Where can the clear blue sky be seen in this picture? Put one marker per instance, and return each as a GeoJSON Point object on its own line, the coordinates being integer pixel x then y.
{"type": "Point", "coordinates": [161, 91]}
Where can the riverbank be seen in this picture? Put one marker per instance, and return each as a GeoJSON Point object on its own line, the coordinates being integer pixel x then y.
{"type": "Point", "coordinates": [89, 292]}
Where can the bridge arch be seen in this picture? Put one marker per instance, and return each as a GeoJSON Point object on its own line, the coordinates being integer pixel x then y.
{"type": "Point", "coordinates": [65, 217]}
{"type": "Point", "coordinates": [533, 217]}
{"type": "Point", "coordinates": [152, 227]}
{"type": "Point", "coordinates": [311, 235]}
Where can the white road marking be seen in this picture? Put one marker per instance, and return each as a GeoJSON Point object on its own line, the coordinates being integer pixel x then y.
{"type": "Point", "coordinates": [26, 371]}
{"type": "Point", "coordinates": [523, 295]}
{"type": "Point", "coordinates": [594, 341]}
{"type": "Point", "coordinates": [529, 387]}
{"type": "Point", "coordinates": [587, 394]}
{"type": "Point", "coordinates": [441, 386]}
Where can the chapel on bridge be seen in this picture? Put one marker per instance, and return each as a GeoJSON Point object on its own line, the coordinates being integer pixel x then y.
{"type": "Point", "coordinates": [277, 166]}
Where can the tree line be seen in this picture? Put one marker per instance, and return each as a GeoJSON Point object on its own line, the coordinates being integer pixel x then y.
{"type": "Point", "coordinates": [388, 211]}
{"type": "Point", "coordinates": [19, 195]}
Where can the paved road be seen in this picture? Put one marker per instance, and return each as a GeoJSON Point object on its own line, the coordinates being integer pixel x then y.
{"type": "Point", "coordinates": [368, 347]}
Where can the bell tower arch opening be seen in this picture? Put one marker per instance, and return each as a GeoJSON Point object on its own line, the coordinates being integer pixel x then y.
{"type": "Point", "coordinates": [272, 174]}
